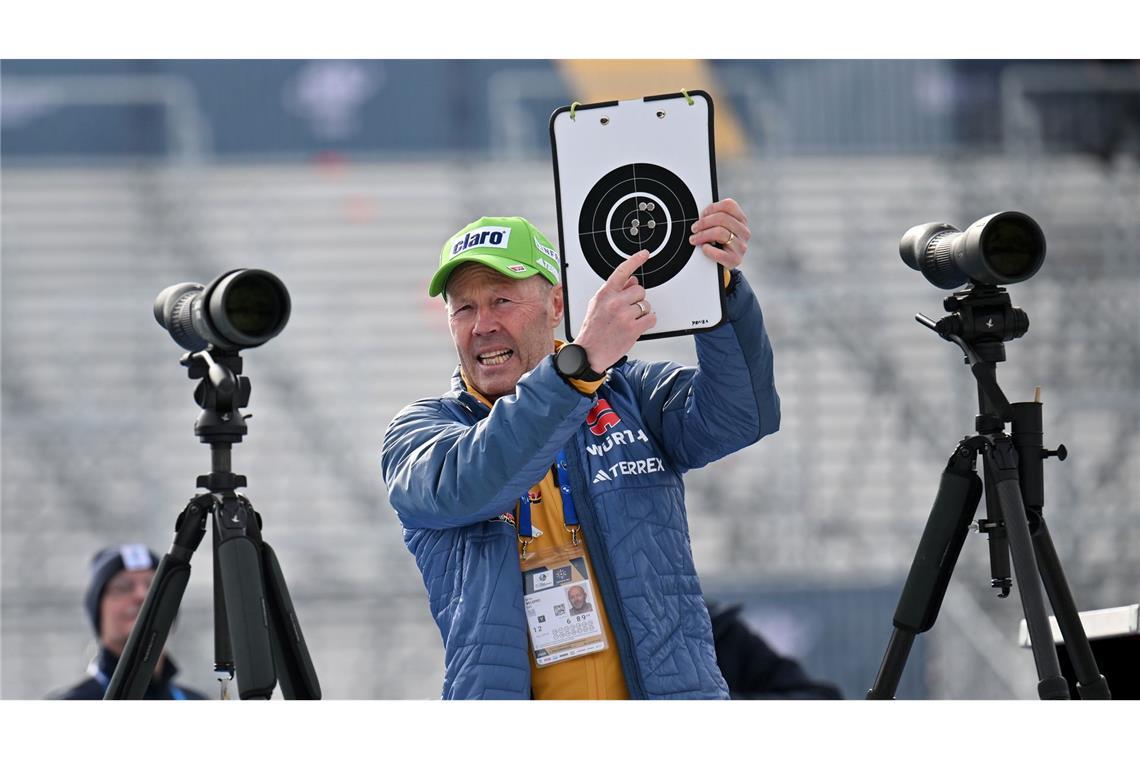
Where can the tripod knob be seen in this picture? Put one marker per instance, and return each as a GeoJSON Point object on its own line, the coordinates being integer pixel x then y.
{"type": "Point", "coordinates": [1060, 452]}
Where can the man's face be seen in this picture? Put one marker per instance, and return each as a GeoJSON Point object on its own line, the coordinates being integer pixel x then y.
{"type": "Point", "coordinates": [577, 597]}
{"type": "Point", "coordinates": [122, 599]}
{"type": "Point", "coordinates": [502, 327]}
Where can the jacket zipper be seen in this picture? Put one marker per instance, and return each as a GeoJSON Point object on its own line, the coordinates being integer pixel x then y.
{"type": "Point", "coordinates": [607, 586]}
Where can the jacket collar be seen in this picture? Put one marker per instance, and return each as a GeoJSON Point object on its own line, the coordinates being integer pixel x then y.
{"type": "Point", "coordinates": [459, 394]}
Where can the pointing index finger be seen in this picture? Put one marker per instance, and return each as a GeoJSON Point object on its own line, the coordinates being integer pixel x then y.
{"type": "Point", "coordinates": [623, 271]}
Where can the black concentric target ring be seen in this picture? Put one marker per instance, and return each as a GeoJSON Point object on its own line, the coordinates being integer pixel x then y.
{"type": "Point", "coordinates": [633, 207]}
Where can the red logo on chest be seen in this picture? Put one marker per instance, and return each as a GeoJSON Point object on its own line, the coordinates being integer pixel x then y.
{"type": "Point", "coordinates": [601, 418]}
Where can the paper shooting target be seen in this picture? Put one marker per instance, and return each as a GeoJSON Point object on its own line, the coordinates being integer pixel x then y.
{"type": "Point", "coordinates": [632, 175]}
{"type": "Point", "coordinates": [635, 207]}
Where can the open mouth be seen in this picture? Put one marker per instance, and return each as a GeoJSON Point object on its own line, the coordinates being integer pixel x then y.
{"type": "Point", "coordinates": [494, 358]}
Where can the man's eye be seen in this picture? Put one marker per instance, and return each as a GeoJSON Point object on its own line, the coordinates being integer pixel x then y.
{"type": "Point", "coordinates": [460, 310]}
{"type": "Point", "coordinates": [502, 300]}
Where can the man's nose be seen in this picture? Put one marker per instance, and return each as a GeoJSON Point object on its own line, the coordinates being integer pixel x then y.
{"type": "Point", "coordinates": [485, 322]}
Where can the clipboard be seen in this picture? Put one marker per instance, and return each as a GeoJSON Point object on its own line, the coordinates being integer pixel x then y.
{"type": "Point", "coordinates": [635, 174]}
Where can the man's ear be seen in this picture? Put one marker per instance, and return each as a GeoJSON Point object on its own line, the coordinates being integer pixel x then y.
{"type": "Point", "coordinates": [556, 306]}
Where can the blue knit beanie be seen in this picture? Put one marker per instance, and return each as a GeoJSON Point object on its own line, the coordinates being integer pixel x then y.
{"type": "Point", "coordinates": [105, 565]}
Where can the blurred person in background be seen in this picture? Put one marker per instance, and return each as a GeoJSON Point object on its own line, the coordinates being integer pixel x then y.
{"type": "Point", "coordinates": [119, 579]}
{"type": "Point", "coordinates": [536, 434]}
{"type": "Point", "coordinates": [752, 669]}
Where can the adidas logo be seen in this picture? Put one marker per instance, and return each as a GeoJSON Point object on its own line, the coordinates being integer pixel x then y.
{"type": "Point", "coordinates": [635, 467]}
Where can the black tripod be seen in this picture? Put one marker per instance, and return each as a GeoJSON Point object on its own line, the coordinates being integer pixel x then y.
{"type": "Point", "coordinates": [256, 632]}
{"type": "Point", "coordinates": [982, 319]}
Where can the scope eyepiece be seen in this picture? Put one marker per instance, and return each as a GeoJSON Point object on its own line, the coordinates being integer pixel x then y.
{"type": "Point", "coordinates": [999, 249]}
{"type": "Point", "coordinates": [242, 308]}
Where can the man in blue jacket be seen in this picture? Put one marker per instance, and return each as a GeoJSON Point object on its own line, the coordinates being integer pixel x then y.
{"type": "Point", "coordinates": [550, 465]}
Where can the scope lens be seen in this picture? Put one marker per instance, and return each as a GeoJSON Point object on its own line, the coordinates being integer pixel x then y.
{"type": "Point", "coordinates": [1011, 247]}
{"type": "Point", "coordinates": [254, 306]}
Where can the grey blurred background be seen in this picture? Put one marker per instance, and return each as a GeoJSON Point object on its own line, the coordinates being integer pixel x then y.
{"type": "Point", "coordinates": [344, 177]}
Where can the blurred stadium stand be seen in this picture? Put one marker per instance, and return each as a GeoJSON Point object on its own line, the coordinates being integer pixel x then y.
{"type": "Point", "coordinates": [343, 178]}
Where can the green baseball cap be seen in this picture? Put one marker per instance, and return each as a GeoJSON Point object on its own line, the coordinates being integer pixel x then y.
{"type": "Point", "coordinates": [508, 244]}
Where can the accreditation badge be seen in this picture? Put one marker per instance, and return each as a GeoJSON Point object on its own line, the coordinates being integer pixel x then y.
{"type": "Point", "coordinates": [561, 605]}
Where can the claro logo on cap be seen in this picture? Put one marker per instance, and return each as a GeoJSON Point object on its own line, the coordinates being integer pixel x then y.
{"type": "Point", "coordinates": [481, 237]}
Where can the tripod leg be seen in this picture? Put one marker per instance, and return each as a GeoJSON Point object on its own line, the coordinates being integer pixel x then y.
{"type": "Point", "coordinates": [958, 494]}
{"type": "Point", "coordinates": [223, 652]}
{"type": "Point", "coordinates": [994, 528]}
{"type": "Point", "coordinates": [1003, 458]}
{"type": "Point", "coordinates": [1090, 683]}
{"type": "Point", "coordinates": [238, 554]}
{"type": "Point", "coordinates": [294, 666]}
{"type": "Point", "coordinates": [148, 636]}
{"type": "Point", "coordinates": [1028, 440]}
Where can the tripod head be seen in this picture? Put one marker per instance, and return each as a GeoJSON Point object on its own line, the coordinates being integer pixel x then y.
{"type": "Point", "coordinates": [981, 320]}
{"type": "Point", "coordinates": [221, 393]}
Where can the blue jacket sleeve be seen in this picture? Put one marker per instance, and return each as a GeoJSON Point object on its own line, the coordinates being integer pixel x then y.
{"type": "Point", "coordinates": [442, 473]}
{"type": "Point", "coordinates": [728, 401]}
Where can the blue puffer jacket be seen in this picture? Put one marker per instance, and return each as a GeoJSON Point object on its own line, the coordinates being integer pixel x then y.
{"type": "Point", "coordinates": [452, 467]}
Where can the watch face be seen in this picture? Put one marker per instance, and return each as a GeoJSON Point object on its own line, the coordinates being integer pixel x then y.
{"type": "Point", "coordinates": [570, 360]}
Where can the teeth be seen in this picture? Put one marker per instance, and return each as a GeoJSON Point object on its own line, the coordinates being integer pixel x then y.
{"type": "Point", "coordinates": [498, 357]}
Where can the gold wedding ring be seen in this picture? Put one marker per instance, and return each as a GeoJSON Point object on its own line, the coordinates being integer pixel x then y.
{"type": "Point", "coordinates": [731, 237]}
{"type": "Point", "coordinates": [641, 307]}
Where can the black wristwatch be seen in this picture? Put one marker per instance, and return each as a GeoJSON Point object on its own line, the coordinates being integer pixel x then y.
{"type": "Point", "coordinates": [572, 363]}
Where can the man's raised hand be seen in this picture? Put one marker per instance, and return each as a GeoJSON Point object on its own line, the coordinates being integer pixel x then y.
{"type": "Point", "coordinates": [616, 316]}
